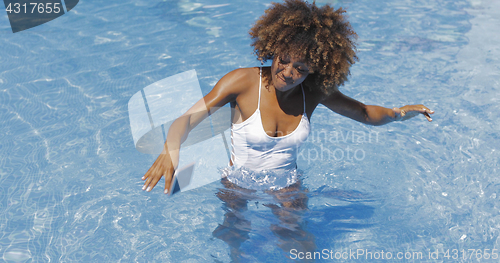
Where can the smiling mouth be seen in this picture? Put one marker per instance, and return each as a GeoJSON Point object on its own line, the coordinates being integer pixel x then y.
{"type": "Point", "coordinates": [283, 79]}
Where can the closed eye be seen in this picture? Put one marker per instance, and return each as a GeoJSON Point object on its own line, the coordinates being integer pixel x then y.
{"type": "Point", "coordinates": [301, 70]}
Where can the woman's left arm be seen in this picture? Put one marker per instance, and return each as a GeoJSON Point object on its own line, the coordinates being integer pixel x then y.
{"type": "Point", "coordinates": [372, 114]}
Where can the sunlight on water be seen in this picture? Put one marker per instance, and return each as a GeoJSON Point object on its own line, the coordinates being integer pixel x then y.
{"type": "Point", "coordinates": [264, 180]}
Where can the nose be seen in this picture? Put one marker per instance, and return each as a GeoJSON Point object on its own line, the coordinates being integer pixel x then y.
{"type": "Point", "coordinates": [288, 71]}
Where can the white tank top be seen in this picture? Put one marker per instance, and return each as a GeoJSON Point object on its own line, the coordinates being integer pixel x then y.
{"type": "Point", "coordinates": [253, 149]}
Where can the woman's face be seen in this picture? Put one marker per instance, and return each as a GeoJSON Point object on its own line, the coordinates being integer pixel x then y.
{"type": "Point", "coordinates": [288, 72]}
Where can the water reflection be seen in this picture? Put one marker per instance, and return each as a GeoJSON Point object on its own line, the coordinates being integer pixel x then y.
{"type": "Point", "coordinates": [295, 221]}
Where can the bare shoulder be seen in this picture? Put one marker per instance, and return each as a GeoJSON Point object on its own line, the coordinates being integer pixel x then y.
{"type": "Point", "coordinates": [314, 94]}
{"type": "Point", "coordinates": [238, 80]}
{"type": "Point", "coordinates": [231, 86]}
{"type": "Point", "coordinates": [336, 98]}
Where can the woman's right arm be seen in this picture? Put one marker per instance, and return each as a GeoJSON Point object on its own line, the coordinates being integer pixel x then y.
{"type": "Point", "coordinates": [226, 90]}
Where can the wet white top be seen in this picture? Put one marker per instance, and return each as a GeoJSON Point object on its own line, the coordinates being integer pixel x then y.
{"type": "Point", "coordinates": [254, 149]}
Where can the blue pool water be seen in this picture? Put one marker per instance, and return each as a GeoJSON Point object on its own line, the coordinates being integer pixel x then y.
{"type": "Point", "coordinates": [70, 174]}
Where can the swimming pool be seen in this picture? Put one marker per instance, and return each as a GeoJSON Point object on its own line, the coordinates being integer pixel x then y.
{"type": "Point", "coordinates": [70, 175]}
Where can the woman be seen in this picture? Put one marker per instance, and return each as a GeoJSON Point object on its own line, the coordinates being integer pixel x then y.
{"type": "Point", "coordinates": [312, 50]}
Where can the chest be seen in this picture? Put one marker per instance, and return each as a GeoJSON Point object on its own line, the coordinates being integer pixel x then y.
{"type": "Point", "coordinates": [278, 118]}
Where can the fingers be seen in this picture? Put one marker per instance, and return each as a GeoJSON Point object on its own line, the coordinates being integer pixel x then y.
{"type": "Point", "coordinates": [152, 177]}
{"type": "Point", "coordinates": [427, 116]}
{"type": "Point", "coordinates": [426, 112]}
{"type": "Point", "coordinates": [152, 183]}
{"type": "Point", "coordinates": [168, 181]}
{"type": "Point", "coordinates": [148, 186]}
{"type": "Point", "coordinates": [149, 177]}
{"type": "Point", "coordinates": [161, 167]}
{"type": "Point", "coordinates": [409, 111]}
{"type": "Point", "coordinates": [152, 180]}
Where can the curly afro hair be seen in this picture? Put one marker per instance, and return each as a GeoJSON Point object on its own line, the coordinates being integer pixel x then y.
{"type": "Point", "coordinates": [320, 35]}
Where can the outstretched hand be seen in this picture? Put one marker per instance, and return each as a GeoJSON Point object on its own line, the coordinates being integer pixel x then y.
{"type": "Point", "coordinates": [409, 111]}
{"type": "Point", "coordinates": [161, 167]}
